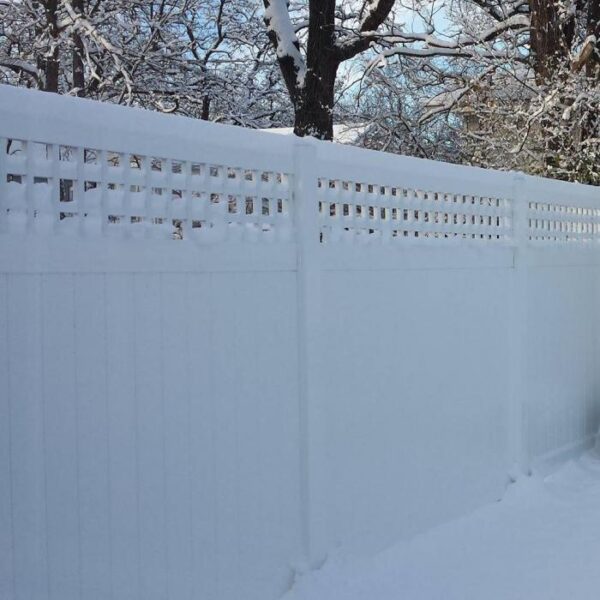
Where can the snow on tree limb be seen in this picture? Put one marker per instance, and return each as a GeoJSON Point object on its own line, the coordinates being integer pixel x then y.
{"type": "Point", "coordinates": [443, 103]}
{"type": "Point", "coordinates": [285, 41]}
{"type": "Point", "coordinates": [80, 22]}
{"type": "Point", "coordinates": [374, 14]}
{"type": "Point", "coordinates": [448, 100]}
{"type": "Point", "coordinates": [515, 22]}
{"type": "Point", "coordinates": [399, 43]}
{"type": "Point", "coordinates": [585, 54]}
{"type": "Point", "coordinates": [502, 10]}
{"type": "Point", "coordinates": [19, 66]}
{"type": "Point", "coordinates": [467, 51]}
{"type": "Point", "coordinates": [221, 71]}
{"type": "Point", "coordinates": [465, 46]}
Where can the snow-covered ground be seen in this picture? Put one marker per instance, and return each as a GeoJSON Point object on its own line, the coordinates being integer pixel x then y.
{"type": "Point", "coordinates": [541, 542]}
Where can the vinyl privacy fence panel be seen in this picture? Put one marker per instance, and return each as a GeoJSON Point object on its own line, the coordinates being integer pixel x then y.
{"type": "Point", "coordinates": [146, 459]}
{"type": "Point", "coordinates": [150, 400]}
{"type": "Point", "coordinates": [223, 353]}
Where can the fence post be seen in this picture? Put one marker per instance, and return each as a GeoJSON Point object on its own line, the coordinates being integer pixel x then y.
{"type": "Point", "coordinates": [307, 231]}
{"type": "Point", "coordinates": [518, 442]}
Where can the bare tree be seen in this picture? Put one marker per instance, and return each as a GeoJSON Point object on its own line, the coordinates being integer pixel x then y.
{"type": "Point", "coordinates": [333, 35]}
{"type": "Point", "coordinates": [513, 83]}
{"type": "Point", "coordinates": [202, 58]}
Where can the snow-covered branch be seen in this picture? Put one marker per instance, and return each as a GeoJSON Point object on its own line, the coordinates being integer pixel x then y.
{"type": "Point", "coordinates": [285, 41]}
{"type": "Point", "coordinates": [19, 66]}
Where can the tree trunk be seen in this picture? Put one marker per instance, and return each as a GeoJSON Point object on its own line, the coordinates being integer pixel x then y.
{"type": "Point", "coordinates": [593, 29]}
{"type": "Point", "coordinates": [314, 106]}
{"type": "Point", "coordinates": [544, 38]}
{"type": "Point", "coordinates": [590, 126]}
{"type": "Point", "coordinates": [77, 56]}
{"type": "Point", "coordinates": [205, 115]}
{"type": "Point", "coordinates": [49, 65]}
{"type": "Point", "coordinates": [314, 103]}
{"type": "Point", "coordinates": [551, 37]}
{"type": "Point", "coordinates": [311, 83]}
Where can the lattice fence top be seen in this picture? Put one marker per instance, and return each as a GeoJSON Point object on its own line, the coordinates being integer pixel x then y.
{"type": "Point", "coordinates": [552, 223]}
{"type": "Point", "coordinates": [51, 188]}
{"type": "Point", "coordinates": [367, 211]}
{"type": "Point", "coordinates": [73, 167]}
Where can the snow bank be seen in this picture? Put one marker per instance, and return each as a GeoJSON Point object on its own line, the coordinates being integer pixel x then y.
{"type": "Point", "coordinates": [541, 542]}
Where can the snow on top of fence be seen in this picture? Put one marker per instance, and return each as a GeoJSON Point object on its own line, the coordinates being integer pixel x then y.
{"type": "Point", "coordinates": [73, 166]}
{"type": "Point", "coordinates": [79, 167]}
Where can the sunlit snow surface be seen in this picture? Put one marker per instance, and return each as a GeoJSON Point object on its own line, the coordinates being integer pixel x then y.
{"type": "Point", "coordinates": [541, 542]}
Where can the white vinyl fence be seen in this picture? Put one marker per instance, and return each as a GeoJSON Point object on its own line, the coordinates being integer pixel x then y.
{"type": "Point", "coordinates": [224, 353]}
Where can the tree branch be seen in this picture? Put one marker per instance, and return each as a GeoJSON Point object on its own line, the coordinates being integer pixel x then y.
{"type": "Point", "coordinates": [373, 14]}
{"type": "Point", "coordinates": [20, 66]}
{"type": "Point", "coordinates": [286, 45]}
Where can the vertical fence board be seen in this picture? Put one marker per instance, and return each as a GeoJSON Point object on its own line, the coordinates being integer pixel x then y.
{"type": "Point", "coordinates": [200, 311]}
{"type": "Point", "coordinates": [61, 450]}
{"type": "Point", "coordinates": [277, 378]}
{"type": "Point", "coordinates": [122, 427]}
{"type": "Point", "coordinates": [267, 426]}
{"type": "Point", "coordinates": [90, 343]}
{"type": "Point", "coordinates": [229, 369]}
{"type": "Point", "coordinates": [27, 431]}
{"type": "Point", "coordinates": [151, 436]}
{"type": "Point", "coordinates": [177, 366]}
{"type": "Point", "coordinates": [247, 354]}
{"type": "Point", "coordinates": [6, 529]}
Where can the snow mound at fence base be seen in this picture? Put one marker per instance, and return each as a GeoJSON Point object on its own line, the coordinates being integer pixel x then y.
{"type": "Point", "coordinates": [541, 542]}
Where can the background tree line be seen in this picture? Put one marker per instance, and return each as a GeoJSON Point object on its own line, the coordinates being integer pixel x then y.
{"type": "Point", "coordinates": [496, 83]}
